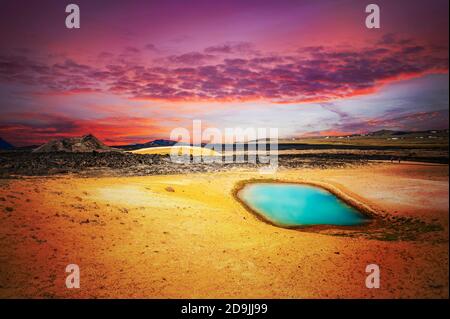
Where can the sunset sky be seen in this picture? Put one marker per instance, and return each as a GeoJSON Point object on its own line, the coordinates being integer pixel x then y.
{"type": "Point", "coordinates": [137, 69]}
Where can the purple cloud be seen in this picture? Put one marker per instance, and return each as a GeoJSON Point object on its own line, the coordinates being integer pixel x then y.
{"type": "Point", "coordinates": [316, 74]}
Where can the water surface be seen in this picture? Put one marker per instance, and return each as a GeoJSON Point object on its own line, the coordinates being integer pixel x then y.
{"type": "Point", "coordinates": [299, 205]}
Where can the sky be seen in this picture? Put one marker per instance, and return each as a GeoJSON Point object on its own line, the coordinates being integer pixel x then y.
{"type": "Point", "coordinates": [136, 70]}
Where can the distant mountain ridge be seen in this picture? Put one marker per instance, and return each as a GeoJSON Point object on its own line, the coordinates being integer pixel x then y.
{"type": "Point", "coordinates": [84, 144]}
{"type": "Point", "coordinates": [154, 143]}
{"type": "Point", "coordinates": [386, 133]}
{"type": "Point", "coordinates": [4, 145]}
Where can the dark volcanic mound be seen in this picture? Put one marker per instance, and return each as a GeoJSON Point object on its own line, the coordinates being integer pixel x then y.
{"type": "Point", "coordinates": [84, 144]}
{"type": "Point", "coordinates": [4, 145]}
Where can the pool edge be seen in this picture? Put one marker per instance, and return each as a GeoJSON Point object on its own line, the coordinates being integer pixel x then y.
{"type": "Point", "coordinates": [371, 214]}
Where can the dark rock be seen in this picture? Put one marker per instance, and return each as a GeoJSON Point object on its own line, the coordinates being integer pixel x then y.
{"type": "Point", "coordinates": [170, 189]}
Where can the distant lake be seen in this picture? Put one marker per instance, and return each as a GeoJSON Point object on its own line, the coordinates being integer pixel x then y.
{"type": "Point", "coordinates": [299, 205]}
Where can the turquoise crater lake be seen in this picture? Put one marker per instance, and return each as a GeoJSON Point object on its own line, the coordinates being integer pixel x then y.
{"type": "Point", "coordinates": [299, 205]}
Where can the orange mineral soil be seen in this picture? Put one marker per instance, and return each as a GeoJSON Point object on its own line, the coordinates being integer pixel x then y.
{"type": "Point", "coordinates": [186, 236]}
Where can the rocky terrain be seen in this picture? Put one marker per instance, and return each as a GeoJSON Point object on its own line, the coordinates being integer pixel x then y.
{"type": "Point", "coordinates": [116, 164]}
{"type": "Point", "coordinates": [127, 164]}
